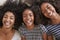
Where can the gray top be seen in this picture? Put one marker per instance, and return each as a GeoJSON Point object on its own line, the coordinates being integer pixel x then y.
{"type": "Point", "coordinates": [55, 30]}
{"type": "Point", "coordinates": [34, 34]}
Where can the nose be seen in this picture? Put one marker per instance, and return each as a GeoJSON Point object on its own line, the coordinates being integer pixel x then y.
{"type": "Point", "coordinates": [7, 19]}
{"type": "Point", "coordinates": [28, 17]}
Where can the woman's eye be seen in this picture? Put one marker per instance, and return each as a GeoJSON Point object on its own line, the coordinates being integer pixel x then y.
{"type": "Point", "coordinates": [11, 18]}
{"type": "Point", "coordinates": [48, 7]}
{"type": "Point", "coordinates": [30, 15]}
{"type": "Point", "coordinates": [24, 15]}
{"type": "Point", "coordinates": [5, 17]}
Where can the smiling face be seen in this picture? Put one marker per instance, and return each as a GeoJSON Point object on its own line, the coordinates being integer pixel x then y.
{"type": "Point", "coordinates": [48, 10]}
{"type": "Point", "coordinates": [8, 19]}
{"type": "Point", "coordinates": [28, 17]}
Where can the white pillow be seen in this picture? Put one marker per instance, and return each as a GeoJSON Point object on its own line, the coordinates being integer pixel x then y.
{"type": "Point", "coordinates": [2, 2]}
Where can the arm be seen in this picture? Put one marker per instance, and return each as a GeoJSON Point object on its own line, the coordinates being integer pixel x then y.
{"type": "Point", "coordinates": [46, 37]}
{"type": "Point", "coordinates": [45, 33]}
{"type": "Point", "coordinates": [50, 37]}
{"type": "Point", "coordinates": [23, 38]}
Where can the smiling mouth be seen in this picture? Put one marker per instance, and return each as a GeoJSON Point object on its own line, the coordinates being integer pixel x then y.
{"type": "Point", "coordinates": [6, 23]}
{"type": "Point", "coordinates": [29, 22]}
{"type": "Point", "coordinates": [50, 14]}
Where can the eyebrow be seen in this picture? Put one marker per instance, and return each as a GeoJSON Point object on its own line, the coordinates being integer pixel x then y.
{"type": "Point", "coordinates": [12, 16]}
{"type": "Point", "coordinates": [48, 7]}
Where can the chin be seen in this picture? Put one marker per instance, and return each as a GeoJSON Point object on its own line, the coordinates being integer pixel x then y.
{"type": "Point", "coordinates": [29, 24]}
{"type": "Point", "coordinates": [7, 26]}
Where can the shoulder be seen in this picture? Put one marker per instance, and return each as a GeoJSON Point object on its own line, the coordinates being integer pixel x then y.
{"type": "Point", "coordinates": [17, 33]}
{"type": "Point", "coordinates": [55, 26]}
{"type": "Point", "coordinates": [16, 36]}
{"type": "Point", "coordinates": [1, 33]}
{"type": "Point", "coordinates": [2, 36]}
{"type": "Point", "coordinates": [43, 28]}
{"type": "Point", "coordinates": [22, 28]}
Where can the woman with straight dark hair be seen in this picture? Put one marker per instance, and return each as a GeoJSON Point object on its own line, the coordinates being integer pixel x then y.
{"type": "Point", "coordinates": [52, 19]}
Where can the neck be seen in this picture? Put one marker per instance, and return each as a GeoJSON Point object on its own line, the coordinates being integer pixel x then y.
{"type": "Point", "coordinates": [56, 19]}
{"type": "Point", "coordinates": [6, 30]}
{"type": "Point", "coordinates": [30, 27]}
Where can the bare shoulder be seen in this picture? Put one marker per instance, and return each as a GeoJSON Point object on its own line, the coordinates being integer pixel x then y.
{"type": "Point", "coordinates": [1, 33]}
{"type": "Point", "coordinates": [2, 37]}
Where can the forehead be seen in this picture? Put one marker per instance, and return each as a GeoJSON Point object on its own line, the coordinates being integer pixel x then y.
{"type": "Point", "coordinates": [27, 11]}
{"type": "Point", "coordinates": [9, 13]}
{"type": "Point", "coordinates": [44, 5]}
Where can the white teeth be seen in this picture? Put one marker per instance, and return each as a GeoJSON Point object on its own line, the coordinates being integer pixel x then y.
{"type": "Point", "coordinates": [7, 23]}
{"type": "Point", "coordinates": [29, 22]}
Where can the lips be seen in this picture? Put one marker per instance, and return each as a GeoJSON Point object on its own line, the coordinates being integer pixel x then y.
{"type": "Point", "coordinates": [29, 22]}
{"type": "Point", "coordinates": [6, 23]}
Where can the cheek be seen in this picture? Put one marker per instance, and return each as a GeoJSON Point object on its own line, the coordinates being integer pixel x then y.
{"type": "Point", "coordinates": [33, 18]}
{"type": "Point", "coordinates": [3, 20]}
{"type": "Point", "coordinates": [24, 18]}
{"type": "Point", "coordinates": [53, 10]}
{"type": "Point", "coordinates": [43, 11]}
{"type": "Point", "coordinates": [12, 21]}
{"type": "Point", "coordinates": [46, 14]}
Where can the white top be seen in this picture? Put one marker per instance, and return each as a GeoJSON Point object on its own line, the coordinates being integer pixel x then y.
{"type": "Point", "coordinates": [16, 36]}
